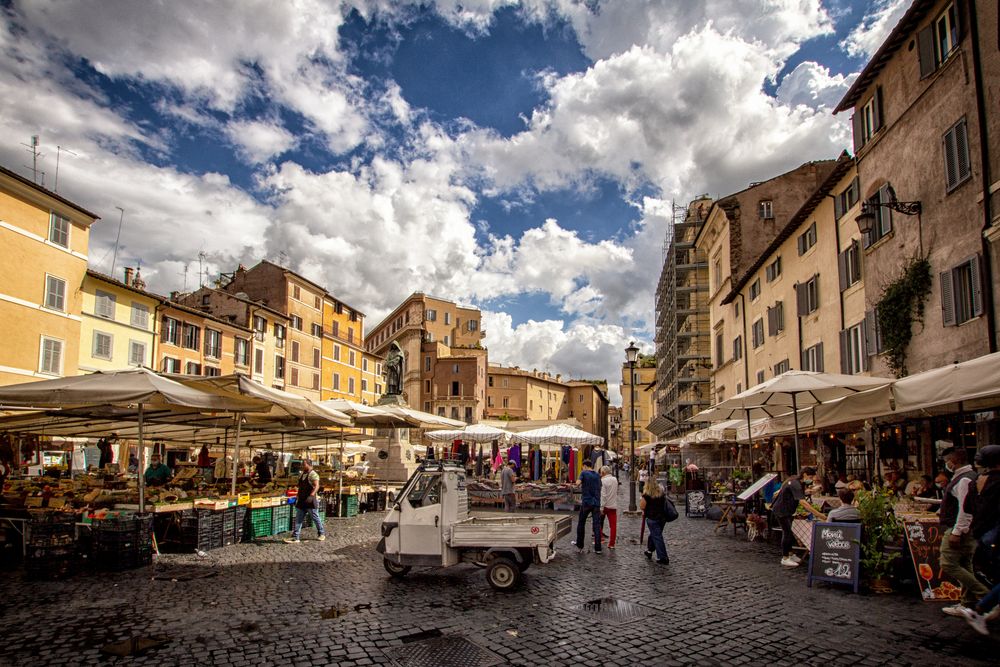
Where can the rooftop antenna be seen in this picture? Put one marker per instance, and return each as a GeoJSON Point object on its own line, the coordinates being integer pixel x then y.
{"type": "Point", "coordinates": [60, 149]}
{"type": "Point", "coordinates": [185, 273]}
{"type": "Point", "coordinates": [282, 258]}
{"type": "Point", "coordinates": [114, 258]}
{"type": "Point", "coordinates": [33, 149]}
{"type": "Point", "coordinates": [201, 269]}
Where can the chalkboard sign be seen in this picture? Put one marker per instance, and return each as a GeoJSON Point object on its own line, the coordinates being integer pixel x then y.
{"type": "Point", "coordinates": [924, 538]}
{"type": "Point", "coordinates": [695, 503]}
{"type": "Point", "coordinates": [835, 553]}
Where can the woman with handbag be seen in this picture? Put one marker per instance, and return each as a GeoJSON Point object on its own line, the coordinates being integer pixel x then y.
{"type": "Point", "coordinates": [654, 508]}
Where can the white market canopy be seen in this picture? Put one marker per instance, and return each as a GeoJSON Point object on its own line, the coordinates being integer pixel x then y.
{"type": "Point", "coordinates": [365, 415]}
{"type": "Point", "coordinates": [471, 433]}
{"type": "Point", "coordinates": [558, 434]}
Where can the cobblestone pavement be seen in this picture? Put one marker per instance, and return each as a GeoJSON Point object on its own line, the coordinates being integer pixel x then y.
{"type": "Point", "coordinates": [721, 601]}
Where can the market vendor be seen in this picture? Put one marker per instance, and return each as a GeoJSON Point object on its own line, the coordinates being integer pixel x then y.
{"type": "Point", "coordinates": [157, 474]}
{"type": "Point", "coordinates": [262, 469]}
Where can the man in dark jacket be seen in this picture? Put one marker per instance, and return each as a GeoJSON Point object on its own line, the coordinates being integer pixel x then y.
{"type": "Point", "coordinates": [957, 543]}
{"type": "Point", "coordinates": [783, 507]}
{"type": "Point", "coordinates": [590, 503]}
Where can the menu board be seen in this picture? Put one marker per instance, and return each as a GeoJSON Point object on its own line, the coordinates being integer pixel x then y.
{"type": "Point", "coordinates": [924, 538]}
{"type": "Point", "coordinates": [835, 553]}
{"type": "Point", "coordinates": [696, 503]}
{"type": "Point", "coordinates": [757, 486]}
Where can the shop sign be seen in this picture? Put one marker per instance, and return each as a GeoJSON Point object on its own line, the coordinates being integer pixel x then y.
{"type": "Point", "coordinates": [924, 539]}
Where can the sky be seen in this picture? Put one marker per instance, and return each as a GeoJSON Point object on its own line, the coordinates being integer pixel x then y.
{"type": "Point", "coordinates": [520, 157]}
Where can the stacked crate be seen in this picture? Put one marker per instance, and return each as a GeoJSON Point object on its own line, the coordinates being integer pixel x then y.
{"type": "Point", "coordinates": [281, 518]}
{"type": "Point", "coordinates": [260, 522]}
{"type": "Point", "coordinates": [51, 546]}
{"type": "Point", "coordinates": [123, 543]}
{"type": "Point", "coordinates": [348, 506]}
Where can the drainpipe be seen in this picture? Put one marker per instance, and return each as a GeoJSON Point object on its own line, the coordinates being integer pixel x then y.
{"type": "Point", "coordinates": [746, 359]}
{"type": "Point", "coordinates": [836, 234]}
{"type": "Point", "coordinates": [156, 337]}
{"type": "Point", "coordinates": [984, 153]}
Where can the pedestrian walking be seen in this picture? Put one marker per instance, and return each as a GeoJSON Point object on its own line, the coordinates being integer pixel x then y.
{"type": "Point", "coordinates": [590, 505]}
{"type": "Point", "coordinates": [957, 543]}
{"type": "Point", "coordinates": [654, 508]}
{"type": "Point", "coordinates": [786, 501]}
{"type": "Point", "coordinates": [307, 501]}
{"type": "Point", "coordinates": [507, 479]}
{"type": "Point", "coordinates": [609, 503]}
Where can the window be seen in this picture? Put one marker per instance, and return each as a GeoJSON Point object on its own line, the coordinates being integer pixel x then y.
{"type": "Point", "coordinates": [279, 367]}
{"type": "Point", "coordinates": [279, 331]}
{"type": "Point", "coordinates": [807, 296]}
{"type": "Point", "coordinates": [430, 315]}
{"type": "Point", "coordinates": [938, 40]}
{"type": "Point", "coordinates": [350, 334]}
{"type": "Point", "coordinates": [441, 411]}
{"type": "Point", "coordinates": [317, 330]}
{"type": "Point", "coordinates": [258, 362]}
{"type": "Point", "coordinates": [506, 401]}
{"type": "Point", "coordinates": [737, 348]}
{"type": "Point", "coordinates": [364, 384]}
{"type": "Point", "coordinates": [807, 239]}
{"type": "Point", "coordinates": [139, 316]}
{"type": "Point", "coordinates": [192, 368]}
{"type": "Point", "coordinates": [295, 351]}
{"type": "Point", "coordinates": [883, 216]}
{"type": "Point", "coordinates": [812, 358]}
{"type": "Point", "coordinates": [765, 209]}
{"type": "Point", "coordinates": [489, 401]}
{"type": "Point", "coordinates": [717, 273]}
{"type": "Point", "coordinates": [429, 336]}
{"type": "Point", "coordinates": [241, 352]}
{"type": "Point", "coordinates": [454, 369]}
{"type": "Point", "coordinates": [315, 383]}
{"type": "Point", "coordinates": [336, 353]}
{"type": "Point", "coordinates": [873, 332]}
{"type": "Point", "coordinates": [468, 415]}
{"type": "Point", "coordinates": [782, 367]}
{"type": "Point", "coordinates": [213, 344]}
{"type": "Point", "coordinates": [104, 305]}
{"type": "Point", "coordinates": [364, 364]}
{"type": "Point", "coordinates": [454, 413]}
{"type": "Point", "coordinates": [957, 168]}
{"type": "Point", "coordinates": [339, 308]}
{"type": "Point", "coordinates": [136, 353]}
{"type": "Point", "coordinates": [447, 318]}
{"type": "Point", "coordinates": [293, 378]}
{"type": "Point", "coordinates": [59, 230]}
{"type": "Point", "coordinates": [171, 332]}
{"type": "Point", "coordinates": [773, 270]}
{"type": "Point", "coordinates": [336, 381]}
{"type": "Point", "coordinates": [758, 332]}
{"type": "Point", "coordinates": [350, 385]}
{"type": "Point", "coordinates": [843, 202]}
{"type": "Point", "coordinates": [427, 364]}
{"type": "Point", "coordinates": [192, 335]}
{"type": "Point", "coordinates": [351, 358]}
{"type": "Point", "coordinates": [849, 265]}
{"type": "Point", "coordinates": [296, 292]}
{"type": "Point", "coordinates": [776, 318]}
{"type": "Point", "coordinates": [206, 299]}
{"type": "Point", "coordinates": [296, 322]}
{"type": "Point", "coordinates": [473, 325]}
{"type": "Point", "coordinates": [316, 357]}
{"type": "Point", "coordinates": [427, 386]}
{"type": "Point", "coordinates": [736, 309]}
{"type": "Point", "coordinates": [853, 352]}
{"type": "Point", "coordinates": [171, 365]}
{"type": "Point", "coordinates": [212, 371]}
{"type": "Point", "coordinates": [456, 389]}
{"type": "Point", "coordinates": [102, 345]}
{"type": "Point", "coordinates": [55, 293]}
{"type": "Point", "coordinates": [760, 376]}
{"type": "Point", "coordinates": [503, 382]}
{"type": "Point", "coordinates": [317, 303]}
{"type": "Point", "coordinates": [868, 119]}
{"type": "Point", "coordinates": [755, 289]}
{"type": "Point", "coordinates": [446, 341]}
{"type": "Point", "coordinates": [720, 351]}
{"type": "Point", "coordinates": [961, 292]}
{"type": "Point", "coordinates": [489, 380]}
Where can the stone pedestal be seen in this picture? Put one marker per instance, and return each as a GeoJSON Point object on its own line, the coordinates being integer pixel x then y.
{"type": "Point", "coordinates": [400, 463]}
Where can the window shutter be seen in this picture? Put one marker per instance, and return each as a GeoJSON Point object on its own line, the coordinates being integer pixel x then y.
{"type": "Point", "coordinates": [855, 190]}
{"type": "Point", "coordinates": [947, 300]}
{"type": "Point", "coordinates": [950, 158]}
{"type": "Point", "coordinates": [842, 259]}
{"type": "Point", "coordinates": [819, 357]}
{"type": "Point", "coordinates": [856, 120]}
{"type": "Point", "coordinates": [976, 291]}
{"type": "Point", "coordinates": [883, 214]}
{"type": "Point", "coordinates": [864, 350]}
{"type": "Point", "coordinates": [801, 290]}
{"type": "Point", "coordinates": [869, 331]}
{"type": "Point", "coordinates": [859, 258]}
{"type": "Point", "coordinates": [801, 241]}
{"type": "Point", "coordinates": [844, 338]}
{"type": "Point", "coordinates": [925, 49]}
{"type": "Point", "coordinates": [838, 207]}
{"type": "Point", "coordinates": [802, 359]}
{"type": "Point", "coordinates": [772, 322]}
{"type": "Point", "coordinates": [959, 21]}
{"type": "Point", "coordinates": [962, 167]}
{"type": "Point", "coordinates": [877, 109]}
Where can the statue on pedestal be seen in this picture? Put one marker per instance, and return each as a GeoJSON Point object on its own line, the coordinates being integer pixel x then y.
{"type": "Point", "coordinates": [394, 367]}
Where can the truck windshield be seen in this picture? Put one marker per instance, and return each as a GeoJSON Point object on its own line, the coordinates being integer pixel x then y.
{"type": "Point", "coordinates": [426, 490]}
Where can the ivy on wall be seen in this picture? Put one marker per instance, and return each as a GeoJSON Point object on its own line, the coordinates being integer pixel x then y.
{"type": "Point", "coordinates": [902, 304]}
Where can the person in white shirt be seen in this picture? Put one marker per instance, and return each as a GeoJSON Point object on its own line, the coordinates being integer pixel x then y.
{"type": "Point", "coordinates": [609, 503]}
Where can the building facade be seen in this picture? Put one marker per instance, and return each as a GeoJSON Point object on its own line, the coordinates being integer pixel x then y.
{"type": "Point", "coordinates": [193, 342]}
{"type": "Point", "coordinates": [640, 383]}
{"type": "Point", "coordinates": [45, 241]}
{"type": "Point", "coordinates": [926, 137]}
{"type": "Point", "coordinates": [118, 320]}
{"type": "Point", "coordinates": [343, 351]}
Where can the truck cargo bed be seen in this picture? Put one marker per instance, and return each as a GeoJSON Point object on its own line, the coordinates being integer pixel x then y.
{"type": "Point", "coordinates": [511, 530]}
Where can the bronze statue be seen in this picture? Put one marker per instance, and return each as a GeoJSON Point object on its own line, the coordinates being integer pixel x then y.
{"type": "Point", "coordinates": [394, 366]}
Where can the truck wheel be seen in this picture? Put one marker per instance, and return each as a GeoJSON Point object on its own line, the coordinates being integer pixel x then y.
{"type": "Point", "coordinates": [395, 569]}
{"type": "Point", "coordinates": [503, 574]}
{"type": "Point", "coordinates": [527, 557]}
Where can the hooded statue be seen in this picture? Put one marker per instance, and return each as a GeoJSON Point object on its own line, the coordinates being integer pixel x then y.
{"type": "Point", "coordinates": [394, 366]}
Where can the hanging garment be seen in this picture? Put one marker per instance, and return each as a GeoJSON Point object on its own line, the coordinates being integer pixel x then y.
{"type": "Point", "coordinates": [430, 453]}
{"type": "Point", "coordinates": [572, 465]}
{"type": "Point", "coordinates": [579, 463]}
{"type": "Point", "coordinates": [463, 453]}
{"type": "Point", "coordinates": [495, 451]}
{"type": "Point", "coordinates": [564, 453]}
{"type": "Point", "coordinates": [497, 462]}
{"type": "Point", "coordinates": [514, 454]}
{"type": "Point", "coordinates": [537, 458]}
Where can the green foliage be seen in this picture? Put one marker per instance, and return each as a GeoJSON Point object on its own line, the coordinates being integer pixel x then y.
{"type": "Point", "coordinates": [902, 304]}
{"type": "Point", "coordinates": [878, 528]}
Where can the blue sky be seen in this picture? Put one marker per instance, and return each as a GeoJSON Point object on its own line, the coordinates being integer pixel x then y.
{"type": "Point", "coordinates": [518, 156]}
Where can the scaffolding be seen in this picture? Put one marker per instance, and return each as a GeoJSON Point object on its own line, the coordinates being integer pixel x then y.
{"type": "Point", "coordinates": [683, 331]}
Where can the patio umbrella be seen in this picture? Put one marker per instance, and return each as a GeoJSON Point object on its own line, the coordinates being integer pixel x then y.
{"type": "Point", "coordinates": [471, 433]}
{"type": "Point", "coordinates": [139, 387]}
{"type": "Point", "coordinates": [789, 392]}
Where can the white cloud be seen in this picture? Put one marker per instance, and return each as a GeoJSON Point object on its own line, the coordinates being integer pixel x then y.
{"type": "Point", "coordinates": [811, 84]}
{"type": "Point", "coordinates": [878, 22]}
{"type": "Point", "coordinates": [259, 140]}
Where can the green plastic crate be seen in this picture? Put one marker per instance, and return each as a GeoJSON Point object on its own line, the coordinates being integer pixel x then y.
{"type": "Point", "coordinates": [281, 521]}
{"type": "Point", "coordinates": [261, 523]}
{"type": "Point", "coordinates": [348, 506]}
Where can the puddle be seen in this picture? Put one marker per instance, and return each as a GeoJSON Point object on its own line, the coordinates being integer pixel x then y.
{"type": "Point", "coordinates": [134, 646]}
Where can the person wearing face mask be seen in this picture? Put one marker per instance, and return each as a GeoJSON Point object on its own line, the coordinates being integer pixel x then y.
{"type": "Point", "coordinates": [786, 501]}
{"type": "Point", "coordinates": [957, 543]}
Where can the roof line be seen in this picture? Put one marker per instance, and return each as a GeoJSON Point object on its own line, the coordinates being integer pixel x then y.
{"type": "Point", "coordinates": [47, 192]}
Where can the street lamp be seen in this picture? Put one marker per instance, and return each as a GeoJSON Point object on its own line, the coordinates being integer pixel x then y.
{"type": "Point", "coordinates": [866, 218]}
{"type": "Point", "coordinates": [631, 354]}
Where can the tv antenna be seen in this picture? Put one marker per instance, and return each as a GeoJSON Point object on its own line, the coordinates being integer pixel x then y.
{"type": "Point", "coordinates": [60, 149]}
{"type": "Point", "coordinates": [114, 258]}
{"type": "Point", "coordinates": [35, 156]}
{"type": "Point", "coordinates": [185, 274]}
{"type": "Point", "coordinates": [201, 269]}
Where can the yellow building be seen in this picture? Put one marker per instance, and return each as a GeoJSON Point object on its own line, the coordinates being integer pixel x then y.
{"type": "Point", "coordinates": [343, 352]}
{"type": "Point", "coordinates": [118, 318]}
{"type": "Point", "coordinates": [45, 243]}
{"type": "Point", "coordinates": [193, 342]}
{"type": "Point", "coordinates": [371, 379]}
{"type": "Point", "coordinates": [643, 411]}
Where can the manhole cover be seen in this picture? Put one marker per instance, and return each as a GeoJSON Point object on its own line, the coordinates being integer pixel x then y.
{"type": "Point", "coordinates": [443, 652]}
{"type": "Point", "coordinates": [614, 610]}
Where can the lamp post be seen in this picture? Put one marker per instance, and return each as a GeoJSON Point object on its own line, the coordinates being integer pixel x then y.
{"type": "Point", "coordinates": [631, 354]}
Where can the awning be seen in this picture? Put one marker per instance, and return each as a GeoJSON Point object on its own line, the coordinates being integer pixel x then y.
{"type": "Point", "coordinates": [660, 425]}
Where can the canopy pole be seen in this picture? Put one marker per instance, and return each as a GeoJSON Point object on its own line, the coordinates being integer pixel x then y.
{"type": "Point", "coordinates": [236, 454]}
{"type": "Point", "coordinates": [340, 490]}
{"type": "Point", "coordinates": [795, 416]}
{"type": "Point", "coordinates": [142, 466]}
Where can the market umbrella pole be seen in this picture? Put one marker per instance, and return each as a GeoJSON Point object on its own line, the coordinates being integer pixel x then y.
{"type": "Point", "coordinates": [340, 489]}
{"type": "Point", "coordinates": [795, 417]}
{"type": "Point", "coordinates": [142, 467]}
{"type": "Point", "coordinates": [236, 454]}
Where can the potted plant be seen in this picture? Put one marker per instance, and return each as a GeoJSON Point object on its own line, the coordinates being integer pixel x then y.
{"type": "Point", "coordinates": [879, 528]}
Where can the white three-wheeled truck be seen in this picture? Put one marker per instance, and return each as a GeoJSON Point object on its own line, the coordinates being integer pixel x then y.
{"type": "Point", "coordinates": [429, 526]}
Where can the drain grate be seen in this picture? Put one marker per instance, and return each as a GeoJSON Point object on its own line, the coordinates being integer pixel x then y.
{"type": "Point", "coordinates": [447, 651]}
{"type": "Point", "coordinates": [613, 610]}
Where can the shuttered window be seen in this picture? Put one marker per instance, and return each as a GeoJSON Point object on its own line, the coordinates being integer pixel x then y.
{"type": "Point", "coordinates": [868, 119]}
{"type": "Point", "coordinates": [957, 167]}
{"type": "Point", "coordinates": [213, 344]}
{"type": "Point", "coordinates": [844, 201]}
{"type": "Point", "coordinates": [102, 345]}
{"type": "Point", "coordinates": [939, 40]}
{"type": "Point", "coordinates": [853, 350]}
{"type": "Point", "coordinates": [758, 333]}
{"type": "Point", "coordinates": [812, 358]}
{"type": "Point", "coordinates": [171, 331]}
{"type": "Point", "coordinates": [104, 305]}
{"type": "Point", "coordinates": [807, 296]}
{"type": "Point", "coordinates": [192, 335]}
{"type": "Point", "coordinates": [776, 319]}
{"type": "Point", "coordinates": [873, 332]}
{"type": "Point", "coordinates": [55, 293]}
{"type": "Point", "coordinates": [760, 376]}
{"type": "Point", "coordinates": [773, 270]}
{"type": "Point", "coordinates": [136, 353]}
{"type": "Point", "coordinates": [50, 357]}
{"type": "Point", "coordinates": [962, 292]}
{"type": "Point", "coordinates": [737, 348]}
{"type": "Point", "coordinates": [59, 230]}
{"type": "Point", "coordinates": [849, 265]}
{"type": "Point", "coordinates": [782, 367]}
{"type": "Point", "coordinates": [807, 239]}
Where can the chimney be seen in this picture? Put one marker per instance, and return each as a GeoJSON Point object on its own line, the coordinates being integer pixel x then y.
{"type": "Point", "coordinates": [128, 276]}
{"type": "Point", "coordinates": [174, 295]}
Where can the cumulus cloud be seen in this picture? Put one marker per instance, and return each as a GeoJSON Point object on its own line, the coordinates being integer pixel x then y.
{"type": "Point", "coordinates": [878, 22]}
{"type": "Point", "coordinates": [811, 84]}
{"type": "Point", "coordinates": [260, 140]}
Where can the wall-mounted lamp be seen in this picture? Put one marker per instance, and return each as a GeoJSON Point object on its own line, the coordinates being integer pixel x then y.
{"type": "Point", "coordinates": [866, 219]}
